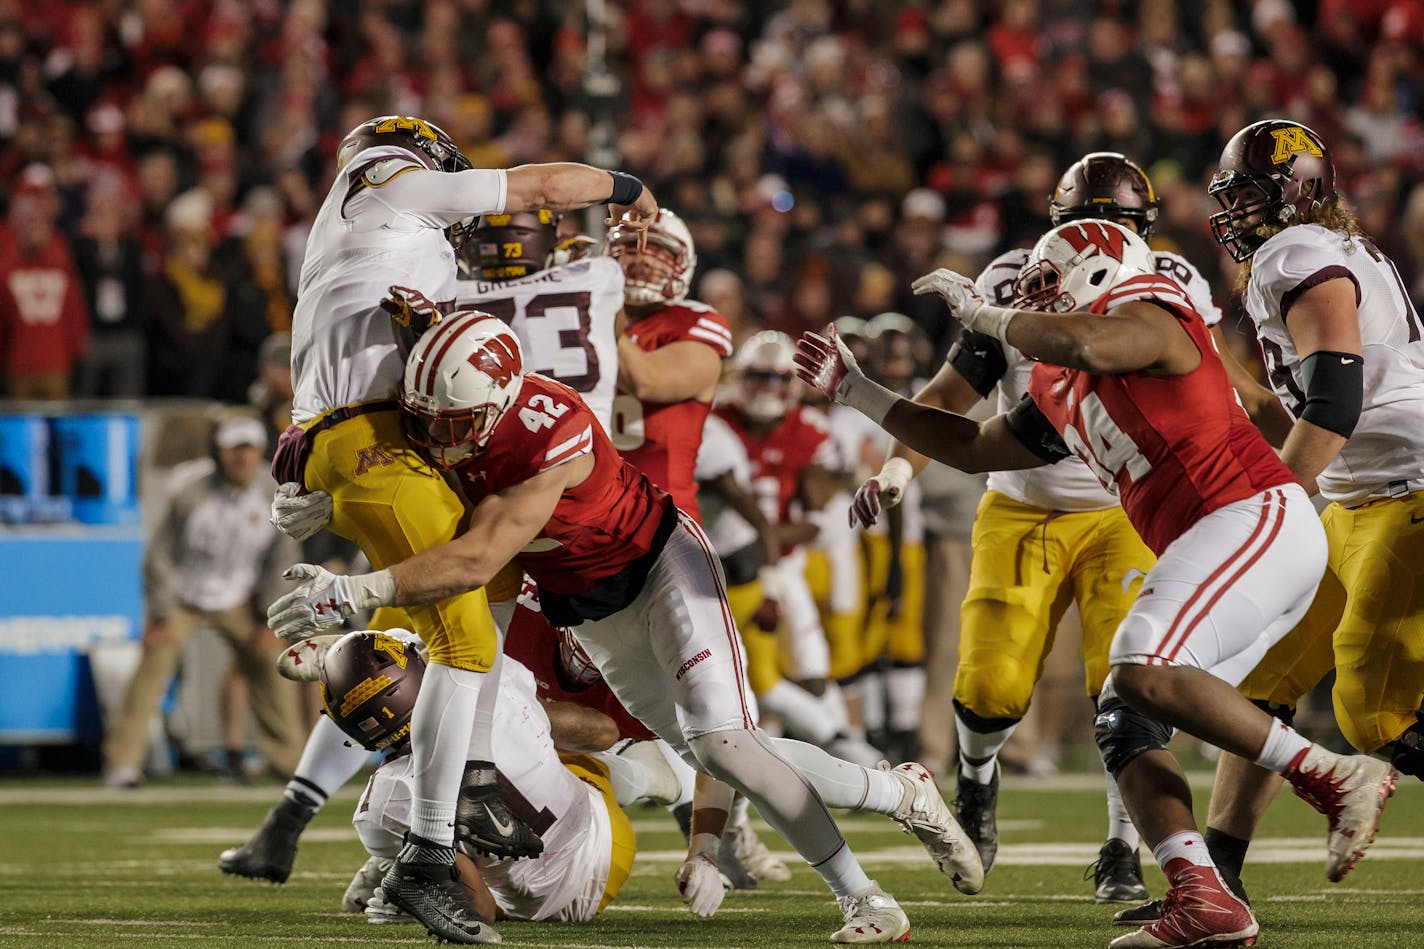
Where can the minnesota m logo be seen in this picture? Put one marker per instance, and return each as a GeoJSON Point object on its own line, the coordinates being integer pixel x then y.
{"type": "Point", "coordinates": [372, 456]}
{"type": "Point", "coordinates": [1292, 141]}
{"type": "Point", "coordinates": [406, 123]}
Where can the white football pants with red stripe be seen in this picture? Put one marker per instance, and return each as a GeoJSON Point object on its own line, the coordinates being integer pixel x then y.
{"type": "Point", "coordinates": [1228, 589]}
{"type": "Point", "coordinates": [673, 656]}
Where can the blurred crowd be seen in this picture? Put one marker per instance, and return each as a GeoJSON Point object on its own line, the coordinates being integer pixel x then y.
{"type": "Point", "coordinates": [163, 158]}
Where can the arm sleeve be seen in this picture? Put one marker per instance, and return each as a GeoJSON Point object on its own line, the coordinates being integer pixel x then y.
{"type": "Point", "coordinates": [1028, 423]}
{"type": "Point", "coordinates": [439, 199]}
{"type": "Point", "coordinates": [979, 359]}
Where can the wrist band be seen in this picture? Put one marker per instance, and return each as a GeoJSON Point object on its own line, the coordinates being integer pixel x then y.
{"type": "Point", "coordinates": [626, 188]}
{"type": "Point", "coordinates": [897, 472]}
{"type": "Point", "coordinates": [992, 321]}
{"type": "Point", "coordinates": [870, 399]}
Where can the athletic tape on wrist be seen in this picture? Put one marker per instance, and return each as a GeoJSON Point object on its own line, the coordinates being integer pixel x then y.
{"type": "Point", "coordinates": [870, 399]}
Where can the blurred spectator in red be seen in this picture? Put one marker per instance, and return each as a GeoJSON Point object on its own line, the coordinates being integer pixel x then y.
{"type": "Point", "coordinates": [44, 323]}
{"type": "Point", "coordinates": [110, 261]}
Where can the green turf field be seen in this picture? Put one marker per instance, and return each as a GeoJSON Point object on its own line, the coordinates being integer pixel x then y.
{"type": "Point", "coordinates": [81, 867]}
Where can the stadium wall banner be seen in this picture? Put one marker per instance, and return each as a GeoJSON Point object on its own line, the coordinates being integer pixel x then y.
{"type": "Point", "coordinates": [66, 592]}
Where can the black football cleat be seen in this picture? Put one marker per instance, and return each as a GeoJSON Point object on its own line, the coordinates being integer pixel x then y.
{"type": "Point", "coordinates": [485, 824]}
{"type": "Point", "coordinates": [269, 854]}
{"type": "Point", "coordinates": [423, 882]}
{"type": "Point", "coordinates": [975, 805]}
{"type": "Point", "coordinates": [1117, 874]}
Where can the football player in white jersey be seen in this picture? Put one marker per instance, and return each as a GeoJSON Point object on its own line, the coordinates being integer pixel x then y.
{"type": "Point", "coordinates": [550, 756]}
{"type": "Point", "coordinates": [1042, 537]}
{"type": "Point", "coordinates": [401, 184]}
{"type": "Point", "coordinates": [564, 314]}
{"type": "Point", "coordinates": [1344, 347]}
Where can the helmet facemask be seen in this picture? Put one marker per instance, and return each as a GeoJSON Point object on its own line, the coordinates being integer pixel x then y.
{"type": "Point", "coordinates": [448, 438]}
{"type": "Point", "coordinates": [653, 275]}
{"type": "Point", "coordinates": [1248, 202]}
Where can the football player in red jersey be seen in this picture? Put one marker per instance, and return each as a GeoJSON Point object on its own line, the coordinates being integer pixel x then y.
{"type": "Point", "coordinates": [669, 356]}
{"type": "Point", "coordinates": [637, 581]}
{"type": "Point", "coordinates": [1129, 381]}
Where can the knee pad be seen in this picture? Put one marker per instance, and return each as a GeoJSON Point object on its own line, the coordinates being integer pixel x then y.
{"type": "Point", "coordinates": [1123, 733]}
{"type": "Point", "coordinates": [1407, 751]}
{"type": "Point", "coordinates": [979, 723]}
{"type": "Point", "coordinates": [1285, 713]}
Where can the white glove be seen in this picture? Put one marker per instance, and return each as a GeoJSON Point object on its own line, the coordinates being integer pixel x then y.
{"type": "Point", "coordinates": [698, 879]}
{"type": "Point", "coordinates": [298, 515]}
{"type": "Point", "coordinates": [966, 304]}
{"type": "Point", "coordinates": [881, 492]}
{"type": "Point", "coordinates": [323, 599]}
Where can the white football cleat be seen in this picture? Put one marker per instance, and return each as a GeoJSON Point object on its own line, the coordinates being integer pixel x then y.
{"type": "Point", "coordinates": [665, 788]}
{"type": "Point", "coordinates": [301, 662]}
{"type": "Point", "coordinates": [923, 813]}
{"type": "Point", "coordinates": [363, 884]}
{"type": "Point", "coordinates": [759, 861]}
{"type": "Point", "coordinates": [872, 917]}
{"type": "Point", "coordinates": [1351, 791]}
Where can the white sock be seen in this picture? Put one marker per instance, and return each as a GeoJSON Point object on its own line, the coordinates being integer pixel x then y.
{"type": "Point", "coordinates": [982, 747]}
{"type": "Point", "coordinates": [843, 873]}
{"type": "Point", "coordinates": [481, 745]}
{"type": "Point", "coordinates": [799, 710]}
{"type": "Point", "coordinates": [329, 760]}
{"type": "Point", "coordinates": [906, 688]}
{"type": "Point", "coordinates": [738, 815]}
{"type": "Point", "coordinates": [440, 741]}
{"type": "Point", "coordinates": [1120, 825]}
{"type": "Point", "coordinates": [1187, 845]}
{"type": "Point", "coordinates": [842, 783]}
{"type": "Point", "coordinates": [872, 701]}
{"type": "Point", "coordinates": [1283, 744]}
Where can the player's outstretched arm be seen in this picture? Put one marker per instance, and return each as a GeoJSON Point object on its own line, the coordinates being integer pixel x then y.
{"type": "Point", "coordinates": [828, 366]}
{"type": "Point", "coordinates": [568, 186]}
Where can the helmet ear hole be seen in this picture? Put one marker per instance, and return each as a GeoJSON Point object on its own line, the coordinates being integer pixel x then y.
{"type": "Point", "coordinates": [1098, 277]}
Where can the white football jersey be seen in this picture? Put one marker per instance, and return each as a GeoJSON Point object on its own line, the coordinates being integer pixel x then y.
{"type": "Point", "coordinates": [566, 881]}
{"type": "Point", "coordinates": [1069, 485]}
{"type": "Point", "coordinates": [863, 444]}
{"type": "Point", "coordinates": [382, 224]}
{"type": "Point", "coordinates": [1384, 456]}
{"type": "Point", "coordinates": [565, 319]}
{"type": "Point", "coordinates": [722, 452]}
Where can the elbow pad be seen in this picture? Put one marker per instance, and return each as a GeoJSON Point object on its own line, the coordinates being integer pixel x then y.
{"type": "Point", "coordinates": [1334, 386]}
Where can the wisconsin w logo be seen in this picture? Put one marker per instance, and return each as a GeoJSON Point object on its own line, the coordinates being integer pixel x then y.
{"type": "Point", "coordinates": [1292, 141]}
{"type": "Point", "coordinates": [372, 456]}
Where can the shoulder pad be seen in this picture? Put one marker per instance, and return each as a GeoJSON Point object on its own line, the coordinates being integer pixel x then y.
{"type": "Point", "coordinates": [383, 171]}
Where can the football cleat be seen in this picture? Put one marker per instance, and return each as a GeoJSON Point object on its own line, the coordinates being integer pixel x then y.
{"type": "Point", "coordinates": [923, 813]}
{"type": "Point", "coordinates": [1351, 791]}
{"type": "Point", "coordinates": [269, 853]}
{"type": "Point", "coordinates": [363, 884]}
{"type": "Point", "coordinates": [753, 854]}
{"type": "Point", "coordinates": [1151, 911]}
{"type": "Point", "coordinates": [381, 912]}
{"type": "Point", "coordinates": [301, 662]}
{"type": "Point", "coordinates": [422, 881]}
{"type": "Point", "coordinates": [484, 823]}
{"type": "Point", "coordinates": [735, 875]}
{"type": "Point", "coordinates": [975, 807]}
{"type": "Point", "coordinates": [1199, 910]}
{"type": "Point", "coordinates": [872, 917]}
{"type": "Point", "coordinates": [1117, 874]}
{"type": "Point", "coordinates": [665, 787]}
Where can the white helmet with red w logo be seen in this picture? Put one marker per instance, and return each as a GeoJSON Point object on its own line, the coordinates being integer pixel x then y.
{"type": "Point", "coordinates": [1075, 263]}
{"type": "Point", "coordinates": [461, 378]}
{"type": "Point", "coordinates": [660, 273]}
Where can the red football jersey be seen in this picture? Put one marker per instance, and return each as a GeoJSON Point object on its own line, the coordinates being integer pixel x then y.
{"type": "Point", "coordinates": [778, 457]}
{"type": "Point", "coordinates": [1176, 447]}
{"type": "Point", "coordinates": [599, 527]}
{"type": "Point", "coordinates": [535, 644]}
{"type": "Point", "coordinates": [662, 438]}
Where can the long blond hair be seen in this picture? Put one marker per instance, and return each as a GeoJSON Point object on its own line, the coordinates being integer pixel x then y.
{"type": "Point", "coordinates": [1332, 213]}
